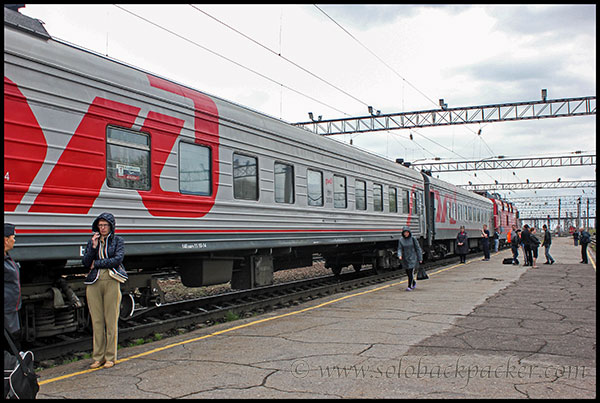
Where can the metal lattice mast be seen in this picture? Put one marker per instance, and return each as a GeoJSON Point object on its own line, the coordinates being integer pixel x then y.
{"type": "Point", "coordinates": [541, 109]}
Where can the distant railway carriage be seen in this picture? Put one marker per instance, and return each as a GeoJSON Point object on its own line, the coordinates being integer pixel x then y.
{"type": "Point", "coordinates": [449, 208]}
{"type": "Point", "coordinates": [197, 184]}
{"type": "Point", "coordinates": [505, 215]}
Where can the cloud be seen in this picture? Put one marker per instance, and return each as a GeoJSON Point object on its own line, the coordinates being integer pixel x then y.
{"type": "Point", "coordinates": [555, 20]}
{"type": "Point", "coordinates": [364, 17]}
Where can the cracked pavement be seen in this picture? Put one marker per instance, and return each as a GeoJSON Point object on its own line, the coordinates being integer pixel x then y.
{"type": "Point", "coordinates": [481, 330]}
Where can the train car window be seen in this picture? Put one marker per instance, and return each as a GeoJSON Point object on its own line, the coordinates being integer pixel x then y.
{"type": "Point", "coordinates": [405, 201]}
{"type": "Point", "coordinates": [284, 183]}
{"type": "Point", "coordinates": [315, 187]}
{"type": "Point", "coordinates": [245, 177]}
{"type": "Point", "coordinates": [377, 197]}
{"type": "Point", "coordinates": [469, 214]}
{"type": "Point", "coordinates": [413, 197]}
{"type": "Point", "coordinates": [340, 196]}
{"type": "Point", "coordinates": [194, 169]}
{"type": "Point", "coordinates": [360, 194]}
{"type": "Point", "coordinates": [127, 159]}
{"type": "Point", "coordinates": [393, 194]}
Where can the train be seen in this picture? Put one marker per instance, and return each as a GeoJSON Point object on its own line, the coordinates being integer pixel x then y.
{"type": "Point", "coordinates": [198, 185]}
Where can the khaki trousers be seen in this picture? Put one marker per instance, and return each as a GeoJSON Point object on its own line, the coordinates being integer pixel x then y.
{"type": "Point", "coordinates": [104, 301]}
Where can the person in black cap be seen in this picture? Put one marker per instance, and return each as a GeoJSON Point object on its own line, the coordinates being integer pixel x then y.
{"type": "Point", "coordinates": [12, 287]}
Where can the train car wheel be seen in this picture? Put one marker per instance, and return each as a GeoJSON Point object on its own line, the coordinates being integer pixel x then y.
{"type": "Point", "coordinates": [127, 306]}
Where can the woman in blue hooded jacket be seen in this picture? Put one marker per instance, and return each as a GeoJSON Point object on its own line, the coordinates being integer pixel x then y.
{"type": "Point", "coordinates": [409, 253]}
{"type": "Point", "coordinates": [103, 255]}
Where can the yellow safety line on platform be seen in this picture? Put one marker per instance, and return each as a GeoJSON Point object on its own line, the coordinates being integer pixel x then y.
{"type": "Point", "coordinates": [591, 258]}
{"type": "Point", "coordinates": [156, 350]}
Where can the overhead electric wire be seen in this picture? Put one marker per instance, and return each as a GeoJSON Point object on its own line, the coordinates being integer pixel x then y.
{"type": "Point", "coordinates": [228, 59]}
{"type": "Point", "coordinates": [395, 72]}
{"type": "Point", "coordinates": [280, 55]}
{"type": "Point", "coordinates": [373, 53]}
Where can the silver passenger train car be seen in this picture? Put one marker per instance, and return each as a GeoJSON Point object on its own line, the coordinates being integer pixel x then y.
{"type": "Point", "coordinates": [199, 184]}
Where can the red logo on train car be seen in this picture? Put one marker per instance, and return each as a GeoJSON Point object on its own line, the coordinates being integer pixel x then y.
{"type": "Point", "coordinates": [443, 206]}
{"type": "Point", "coordinates": [75, 181]}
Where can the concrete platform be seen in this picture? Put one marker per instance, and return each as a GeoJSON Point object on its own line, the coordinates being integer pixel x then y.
{"type": "Point", "coordinates": [478, 330]}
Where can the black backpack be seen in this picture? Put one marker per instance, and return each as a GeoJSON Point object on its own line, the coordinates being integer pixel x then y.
{"type": "Point", "coordinates": [20, 379]}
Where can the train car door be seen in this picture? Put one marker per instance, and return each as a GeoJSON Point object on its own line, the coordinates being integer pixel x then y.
{"type": "Point", "coordinates": [428, 216]}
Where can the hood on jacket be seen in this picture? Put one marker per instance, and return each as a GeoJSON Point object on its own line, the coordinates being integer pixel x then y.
{"type": "Point", "coordinates": [107, 217]}
{"type": "Point", "coordinates": [406, 228]}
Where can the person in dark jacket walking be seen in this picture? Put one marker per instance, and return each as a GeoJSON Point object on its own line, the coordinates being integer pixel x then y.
{"type": "Point", "coordinates": [409, 253]}
{"type": "Point", "coordinates": [546, 244]}
{"type": "Point", "coordinates": [526, 241]}
{"type": "Point", "coordinates": [485, 241]}
{"type": "Point", "coordinates": [584, 239]}
{"type": "Point", "coordinates": [12, 287]}
{"type": "Point", "coordinates": [104, 254]}
{"type": "Point", "coordinates": [462, 244]}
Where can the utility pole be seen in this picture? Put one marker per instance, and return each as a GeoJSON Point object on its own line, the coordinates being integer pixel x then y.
{"type": "Point", "coordinates": [558, 223]}
{"type": "Point", "coordinates": [587, 219]}
{"type": "Point", "coordinates": [578, 212]}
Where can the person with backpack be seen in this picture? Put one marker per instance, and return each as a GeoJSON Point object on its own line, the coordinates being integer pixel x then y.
{"type": "Point", "coordinates": [20, 380]}
{"type": "Point", "coordinates": [409, 253]}
{"type": "Point", "coordinates": [584, 239]}
{"type": "Point", "coordinates": [546, 244]}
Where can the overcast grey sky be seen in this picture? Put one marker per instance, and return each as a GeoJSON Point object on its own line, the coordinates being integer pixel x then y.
{"type": "Point", "coordinates": [467, 55]}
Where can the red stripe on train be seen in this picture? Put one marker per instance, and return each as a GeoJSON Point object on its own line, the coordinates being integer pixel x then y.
{"type": "Point", "coordinates": [166, 231]}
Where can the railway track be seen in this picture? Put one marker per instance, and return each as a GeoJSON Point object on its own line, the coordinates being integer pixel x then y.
{"type": "Point", "coordinates": [214, 309]}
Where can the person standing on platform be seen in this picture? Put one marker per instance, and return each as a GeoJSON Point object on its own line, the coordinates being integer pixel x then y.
{"type": "Point", "coordinates": [496, 240]}
{"type": "Point", "coordinates": [485, 233]}
{"type": "Point", "coordinates": [584, 239]}
{"type": "Point", "coordinates": [513, 238]}
{"type": "Point", "coordinates": [534, 244]}
{"type": "Point", "coordinates": [103, 255]}
{"type": "Point", "coordinates": [409, 253]}
{"type": "Point", "coordinates": [462, 244]}
{"type": "Point", "coordinates": [526, 241]}
{"type": "Point", "coordinates": [546, 244]}
{"type": "Point", "coordinates": [12, 287]}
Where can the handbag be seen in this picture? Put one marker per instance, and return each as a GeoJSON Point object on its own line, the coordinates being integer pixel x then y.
{"type": "Point", "coordinates": [20, 379]}
{"type": "Point", "coordinates": [421, 273]}
{"type": "Point", "coordinates": [113, 273]}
